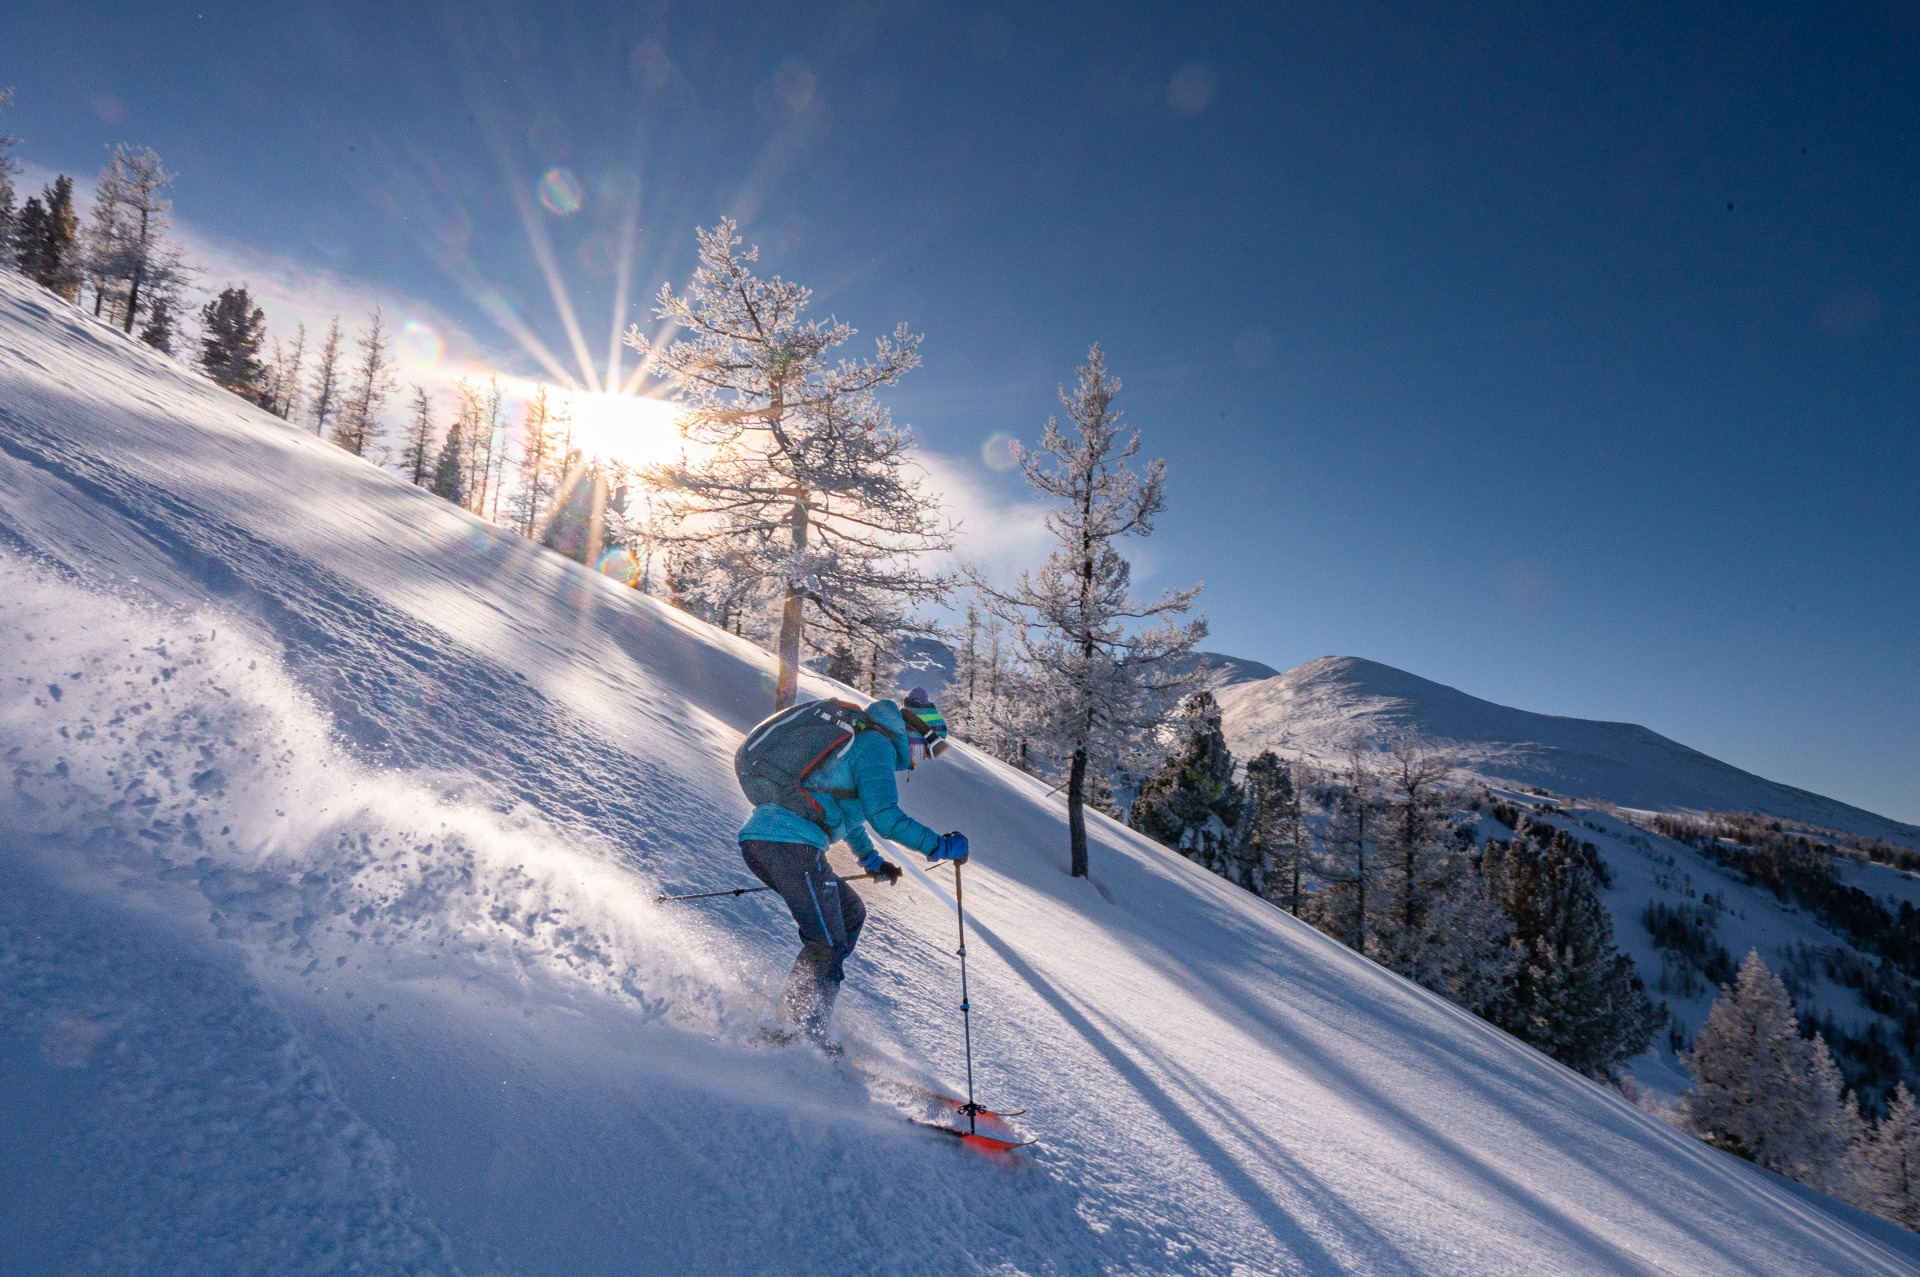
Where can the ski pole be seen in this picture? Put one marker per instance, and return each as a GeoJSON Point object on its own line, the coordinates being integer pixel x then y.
{"type": "Point", "coordinates": [742, 891]}
{"type": "Point", "coordinates": [966, 1008]}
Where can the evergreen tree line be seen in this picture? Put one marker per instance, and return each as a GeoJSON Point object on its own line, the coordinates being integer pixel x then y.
{"type": "Point", "coordinates": [124, 255]}
{"type": "Point", "coordinates": [1880, 961]}
{"type": "Point", "coordinates": [1380, 852]}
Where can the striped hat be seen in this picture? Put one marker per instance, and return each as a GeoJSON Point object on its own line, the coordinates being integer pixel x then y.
{"type": "Point", "coordinates": [923, 717]}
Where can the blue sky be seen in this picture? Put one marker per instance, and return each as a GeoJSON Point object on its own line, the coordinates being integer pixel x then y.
{"type": "Point", "coordinates": [1564, 355]}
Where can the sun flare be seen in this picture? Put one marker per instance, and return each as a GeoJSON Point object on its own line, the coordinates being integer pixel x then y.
{"type": "Point", "coordinates": [626, 429]}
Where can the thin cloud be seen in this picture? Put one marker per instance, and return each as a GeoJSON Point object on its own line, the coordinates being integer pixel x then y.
{"type": "Point", "coordinates": [998, 535]}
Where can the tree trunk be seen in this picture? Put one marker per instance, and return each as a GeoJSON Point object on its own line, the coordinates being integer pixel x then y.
{"type": "Point", "coordinates": [1077, 812]}
{"type": "Point", "coordinates": [786, 690]}
{"type": "Point", "coordinates": [133, 294]}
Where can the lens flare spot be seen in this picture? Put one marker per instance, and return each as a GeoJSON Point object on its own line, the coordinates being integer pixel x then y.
{"type": "Point", "coordinates": [478, 540]}
{"type": "Point", "coordinates": [498, 307]}
{"type": "Point", "coordinates": [1001, 451]}
{"type": "Point", "coordinates": [620, 565]}
{"type": "Point", "coordinates": [420, 347]}
{"type": "Point", "coordinates": [560, 192]}
{"type": "Point", "coordinates": [599, 255]}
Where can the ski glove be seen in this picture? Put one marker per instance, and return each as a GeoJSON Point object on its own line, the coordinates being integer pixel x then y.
{"type": "Point", "coordinates": [952, 847]}
{"type": "Point", "coordinates": [876, 864]}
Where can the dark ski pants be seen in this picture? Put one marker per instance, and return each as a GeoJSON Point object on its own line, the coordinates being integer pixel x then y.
{"type": "Point", "coordinates": [829, 913]}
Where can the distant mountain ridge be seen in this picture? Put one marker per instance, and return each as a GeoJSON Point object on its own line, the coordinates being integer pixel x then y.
{"type": "Point", "coordinates": [1315, 709]}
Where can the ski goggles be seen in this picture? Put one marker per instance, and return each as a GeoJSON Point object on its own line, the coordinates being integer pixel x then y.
{"type": "Point", "coordinates": [930, 726]}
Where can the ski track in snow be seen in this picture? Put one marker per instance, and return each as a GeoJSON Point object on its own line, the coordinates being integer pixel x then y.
{"type": "Point", "coordinates": [327, 943]}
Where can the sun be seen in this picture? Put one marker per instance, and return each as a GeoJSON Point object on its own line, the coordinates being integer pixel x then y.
{"type": "Point", "coordinates": [630, 430]}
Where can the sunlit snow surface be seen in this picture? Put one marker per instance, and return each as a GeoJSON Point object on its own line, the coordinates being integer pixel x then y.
{"type": "Point", "coordinates": [327, 943]}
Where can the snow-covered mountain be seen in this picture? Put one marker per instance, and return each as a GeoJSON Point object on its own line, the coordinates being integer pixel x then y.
{"type": "Point", "coordinates": [328, 852]}
{"type": "Point", "coordinates": [1315, 709]}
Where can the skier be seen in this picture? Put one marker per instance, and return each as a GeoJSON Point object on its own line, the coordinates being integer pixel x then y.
{"type": "Point", "coordinates": [853, 789]}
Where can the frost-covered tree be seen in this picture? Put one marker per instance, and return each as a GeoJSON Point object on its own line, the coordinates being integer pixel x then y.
{"type": "Point", "coordinates": [576, 521]}
{"type": "Point", "coordinates": [232, 331]}
{"type": "Point", "coordinates": [801, 477]}
{"type": "Point", "coordinates": [1886, 1166]}
{"type": "Point", "coordinates": [1193, 804]}
{"type": "Point", "coordinates": [130, 257]}
{"type": "Point", "coordinates": [545, 442]}
{"type": "Point", "coordinates": [47, 239]}
{"type": "Point", "coordinates": [1349, 863]}
{"type": "Point", "coordinates": [282, 395]}
{"type": "Point", "coordinates": [450, 467]}
{"type": "Point", "coordinates": [158, 331]}
{"type": "Point", "coordinates": [358, 426]}
{"type": "Point", "coordinates": [987, 703]}
{"type": "Point", "coordinates": [1435, 923]}
{"type": "Point", "coordinates": [323, 394]}
{"type": "Point", "coordinates": [1108, 666]}
{"type": "Point", "coordinates": [480, 425]}
{"type": "Point", "coordinates": [416, 453]}
{"type": "Point", "coordinates": [1763, 1092]}
{"type": "Point", "coordinates": [9, 169]}
{"type": "Point", "coordinates": [1277, 844]}
{"type": "Point", "coordinates": [1573, 995]}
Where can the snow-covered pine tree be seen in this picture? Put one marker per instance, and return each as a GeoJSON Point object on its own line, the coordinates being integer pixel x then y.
{"type": "Point", "coordinates": [1886, 1178]}
{"type": "Point", "coordinates": [1108, 666]}
{"type": "Point", "coordinates": [1835, 1131]}
{"type": "Point", "coordinates": [416, 456]}
{"type": "Point", "coordinates": [9, 169]}
{"type": "Point", "coordinates": [130, 257]}
{"type": "Point", "coordinates": [1573, 995]}
{"type": "Point", "coordinates": [324, 393]}
{"type": "Point", "coordinates": [232, 330]}
{"type": "Point", "coordinates": [1763, 1092]}
{"type": "Point", "coordinates": [802, 475]}
{"type": "Point", "coordinates": [1193, 804]}
{"type": "Point", "coordinates": [47, 239]}
{"type": "Point", "coordinates": [358, 427]}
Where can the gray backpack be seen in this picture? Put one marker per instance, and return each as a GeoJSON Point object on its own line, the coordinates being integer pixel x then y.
{"type": "Point", "coordinates": [777, 756]}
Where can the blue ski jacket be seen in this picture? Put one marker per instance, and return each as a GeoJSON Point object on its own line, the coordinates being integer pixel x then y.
{"type": "Point", "coordinates": [866, 769]}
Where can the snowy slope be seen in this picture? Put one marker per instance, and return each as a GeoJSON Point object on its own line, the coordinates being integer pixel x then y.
{"type": "Point", "coordinates": [1317, 707]}
{"type": "Point", "coordinates": [327, 943]}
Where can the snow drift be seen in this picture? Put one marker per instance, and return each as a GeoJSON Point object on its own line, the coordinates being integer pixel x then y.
{"type": "Point", "coordinates": [1316, 708]}
{"type": "Point", "coordinates": [327, 944]}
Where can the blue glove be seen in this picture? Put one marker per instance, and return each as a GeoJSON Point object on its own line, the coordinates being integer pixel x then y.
{"type": "Point", "coordinates": [952, 847]}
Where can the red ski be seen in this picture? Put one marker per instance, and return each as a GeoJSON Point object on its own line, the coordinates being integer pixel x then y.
{"type": "Point", "coordinates": [975, 1140]}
